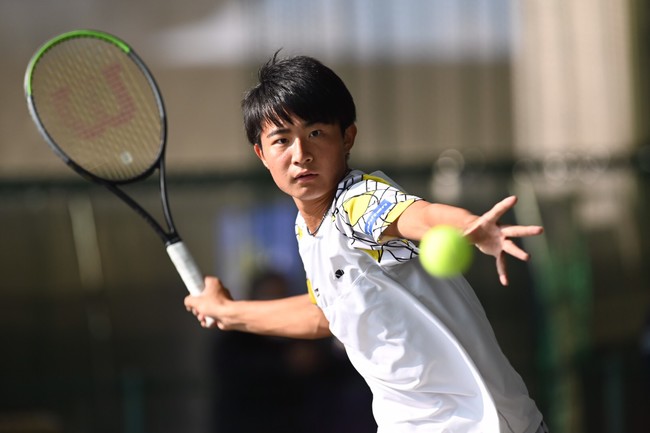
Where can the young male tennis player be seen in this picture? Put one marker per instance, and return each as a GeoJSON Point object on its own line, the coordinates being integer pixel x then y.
{"type": "Point", "coordinates": [423, 345]}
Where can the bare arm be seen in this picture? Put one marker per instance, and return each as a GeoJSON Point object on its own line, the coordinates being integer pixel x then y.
{"type": "Point", "coordinates": [485, 231]}
{"type": "Point", "coordinates": [418, 218]}
{"type": "Point", "coordinates": [293, 316]}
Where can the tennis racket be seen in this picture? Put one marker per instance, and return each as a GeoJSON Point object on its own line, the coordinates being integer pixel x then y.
{"type": "Point", "coordinates": [100, 110]}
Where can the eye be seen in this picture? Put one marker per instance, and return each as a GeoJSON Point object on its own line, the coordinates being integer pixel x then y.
{"type": "Point", "coordinates": [315, 133]}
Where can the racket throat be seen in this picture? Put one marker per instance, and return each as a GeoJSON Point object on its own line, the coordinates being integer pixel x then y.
{"type": "Point", "coordinates": [172, 238]}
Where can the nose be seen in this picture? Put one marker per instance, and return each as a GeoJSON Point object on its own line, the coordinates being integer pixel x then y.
{"type": "Point", "coordinates": [301, 153]}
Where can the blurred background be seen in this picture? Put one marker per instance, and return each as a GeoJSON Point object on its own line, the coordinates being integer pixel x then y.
{"type": "Point", "coordinates": [460, 101]}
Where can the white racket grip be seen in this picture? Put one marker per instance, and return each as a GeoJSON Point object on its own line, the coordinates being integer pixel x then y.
{"type": "Point", "coordinates": [187, 269]}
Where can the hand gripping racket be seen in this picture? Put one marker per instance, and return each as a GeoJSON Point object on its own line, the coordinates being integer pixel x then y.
{"type": "Point", "coordinates": [100, 110]}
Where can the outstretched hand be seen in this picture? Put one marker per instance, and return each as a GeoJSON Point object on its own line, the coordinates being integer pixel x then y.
{"type": "Point", "coordinates": [493, 238]}
{"type": "Point", "coordinates": [209, 303]}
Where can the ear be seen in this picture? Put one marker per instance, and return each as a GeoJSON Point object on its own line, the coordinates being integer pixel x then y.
{"type": "Point", "coordinates": [349, 136]}
{"type": "Point", "coordinates": [260, 153]}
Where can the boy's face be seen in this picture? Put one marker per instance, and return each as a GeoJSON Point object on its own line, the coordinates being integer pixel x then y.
{"type": "Point", "coordinates": [306, 161]}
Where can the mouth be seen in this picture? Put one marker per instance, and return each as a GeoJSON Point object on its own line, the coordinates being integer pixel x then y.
{"type": "Point", "coordinates": [305, 176]}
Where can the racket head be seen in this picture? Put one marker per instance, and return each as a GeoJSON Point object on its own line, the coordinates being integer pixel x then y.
{"type": "Point", "coordinates": [97, 105]}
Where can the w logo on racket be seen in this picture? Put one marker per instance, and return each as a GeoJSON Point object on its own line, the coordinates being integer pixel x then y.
{"type": "Point", "coordinates": [105, 105]}
{"type": "Point", "coordinates": [100, 110]}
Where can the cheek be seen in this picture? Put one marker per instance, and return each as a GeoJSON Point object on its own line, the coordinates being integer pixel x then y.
{"type": "Point", "coordinates": [276, 168]}
{"type": "Point", "coordinates": [281, 181]}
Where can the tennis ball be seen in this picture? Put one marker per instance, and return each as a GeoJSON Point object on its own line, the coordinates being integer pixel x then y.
{"type": "Point", "coordinates": [444, 252]}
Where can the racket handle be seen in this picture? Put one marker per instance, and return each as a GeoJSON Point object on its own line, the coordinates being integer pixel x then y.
{"type": "Point", "coordinates": [188, 270]}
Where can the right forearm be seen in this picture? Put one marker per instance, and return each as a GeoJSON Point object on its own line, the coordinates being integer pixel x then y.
{"type": "Point", "coordinates": [294, 316]}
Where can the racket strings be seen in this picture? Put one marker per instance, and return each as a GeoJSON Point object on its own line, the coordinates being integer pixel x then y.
{"type": "Point", "coordinates": [99, 108]}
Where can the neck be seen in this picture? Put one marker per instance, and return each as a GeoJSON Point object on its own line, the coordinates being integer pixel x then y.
{"type": "Point", "coordinates": [315, 211]}
{"type": "Point", "coordinates": [314, 215]}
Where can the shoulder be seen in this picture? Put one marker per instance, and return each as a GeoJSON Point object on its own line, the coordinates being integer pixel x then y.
{"type": "Point", "coordinates": [363, 191]}
{"type": "Point", "coordinates": [358, 183]}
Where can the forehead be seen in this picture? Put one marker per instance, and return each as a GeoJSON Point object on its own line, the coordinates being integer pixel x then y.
{"type": "Point", "coordinates": [285, 120]}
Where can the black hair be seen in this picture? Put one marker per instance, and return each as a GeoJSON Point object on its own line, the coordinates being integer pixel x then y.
{"type": "Point", "coordinates": [300, 86]}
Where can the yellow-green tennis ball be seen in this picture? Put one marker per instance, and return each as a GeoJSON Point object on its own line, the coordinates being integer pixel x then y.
{"type": "Point", "coordinates": [444, 252]}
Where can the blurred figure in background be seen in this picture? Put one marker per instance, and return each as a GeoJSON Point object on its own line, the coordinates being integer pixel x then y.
{"type": "Point", "coordinates": [275, 384]}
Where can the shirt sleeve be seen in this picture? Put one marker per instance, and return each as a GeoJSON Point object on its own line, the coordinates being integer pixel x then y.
{"type": "Point", "coordinates": [373, 204]}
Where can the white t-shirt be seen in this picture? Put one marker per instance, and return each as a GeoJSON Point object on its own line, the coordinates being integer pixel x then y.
{"type": "Point", "coordinates": [423, 345]}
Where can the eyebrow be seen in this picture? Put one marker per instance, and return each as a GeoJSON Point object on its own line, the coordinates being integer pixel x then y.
{"type": "Point", "coordinates": [277, 131]}
{"type": "Point", "coordinates": [280, 130]}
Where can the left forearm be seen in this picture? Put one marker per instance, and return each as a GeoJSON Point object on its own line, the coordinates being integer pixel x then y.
{"type": "Point", "coordinates": [418, 218]}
